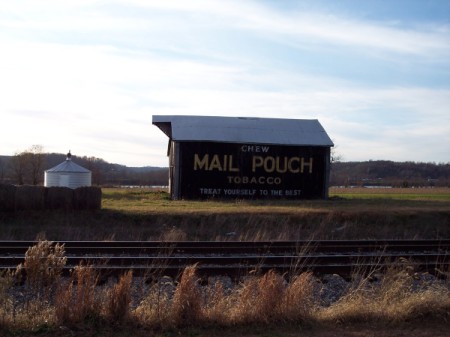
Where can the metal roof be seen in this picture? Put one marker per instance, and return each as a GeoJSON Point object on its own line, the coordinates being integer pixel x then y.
{"type": "Point", "coordinates": [243, 130]}
{"type": "Point", "coordinates": [68, 166]}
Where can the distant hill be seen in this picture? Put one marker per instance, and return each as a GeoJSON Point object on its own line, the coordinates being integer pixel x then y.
{"type": "Point", "coordinates": [103, 173]}
{"type": "Point", "coordinates": [382, 172]}
{"type": "Point", "coordinates": [366, 173]}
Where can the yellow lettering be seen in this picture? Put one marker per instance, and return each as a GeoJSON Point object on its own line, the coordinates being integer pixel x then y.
{"type": "Point", "coordinates": [284, 169]}
{"type": "Point", "coordinates": [291, 168]}
{"type": "Point", "coordinates": [201, 164]}
{"type": "Point", "coordinates": [268, 168]}
{"type": "Point", "coordinates": [310, 164]}
{"type": "Point", "coordinates": [257, 162]}
{"type": "Point", "coordinates": [215, 163]}
{"type": "Point", "coordinates": [230, 167]}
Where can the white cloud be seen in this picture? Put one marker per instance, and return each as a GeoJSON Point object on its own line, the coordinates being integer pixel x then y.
{"type": "Point", "coordinates": [83, 73]}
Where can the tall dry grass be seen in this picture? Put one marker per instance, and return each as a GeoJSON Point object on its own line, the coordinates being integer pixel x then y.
{"type": "Point", "coordinates": [187, 303]}
{"type": "Point", "coordinates": [396, 296]}
{"type": "Point", "coordinates": [43, 265]}
{"type": "Point", "coordinates": [264, 299]}
{"type": "Point", "coordinates": [6, 300]}
{"type": "Point", "coordinates": [76, 299]}
{"type": "Point", "coordinates": [119, 299]}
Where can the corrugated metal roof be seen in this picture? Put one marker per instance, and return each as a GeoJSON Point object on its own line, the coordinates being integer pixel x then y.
{"type": "Point", "coordinates": [68, 166]}
{"type": "Point", "coordinates": [243, 130]}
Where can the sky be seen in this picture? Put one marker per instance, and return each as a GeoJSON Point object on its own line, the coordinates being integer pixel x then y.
{"type": "Point", "coordinates": [88, 75]}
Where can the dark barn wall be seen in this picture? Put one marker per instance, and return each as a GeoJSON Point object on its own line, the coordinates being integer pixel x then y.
{"type": "Point", "coordinates": [201, 170]}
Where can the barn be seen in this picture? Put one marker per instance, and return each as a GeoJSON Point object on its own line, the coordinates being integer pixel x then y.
{"type": "Point", "coordinates": [246, 158]}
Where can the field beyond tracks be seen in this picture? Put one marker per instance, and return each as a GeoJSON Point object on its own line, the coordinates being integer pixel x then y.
{"type": "Point", "coordinates": [144, 214]}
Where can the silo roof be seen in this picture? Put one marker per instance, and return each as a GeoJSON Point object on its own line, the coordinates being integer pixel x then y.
{"type": "Point", "coordinates": [243, 130]}
{"type": "Point", "coordinates": [68, 166]}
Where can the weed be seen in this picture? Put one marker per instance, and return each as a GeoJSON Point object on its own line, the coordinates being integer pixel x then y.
{"type": "Point", "coordinates": [186, 304]}
{"type": "Point", "coordinates": [76, 300]}
{"type": "Point", "coordinates": [6, 301]}
{"type": "Point", "coordinates": [43, 265]}
{"type": "Point", "coordinates": [119, 299]}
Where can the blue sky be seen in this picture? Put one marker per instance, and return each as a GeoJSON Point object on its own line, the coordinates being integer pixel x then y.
{"type": "Point", "coordinates": [88, 75]}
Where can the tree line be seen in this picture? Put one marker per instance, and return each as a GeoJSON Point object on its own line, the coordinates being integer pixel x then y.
{"type": "Point", "coordinates": [27, 168]}
{"type": "Point", "coordinates": [390, 173]}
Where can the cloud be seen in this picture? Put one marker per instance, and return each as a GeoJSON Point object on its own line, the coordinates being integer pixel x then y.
{"type": "Point", "coordinates": [83, 73]}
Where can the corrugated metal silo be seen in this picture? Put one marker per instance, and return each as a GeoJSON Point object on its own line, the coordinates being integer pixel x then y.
{"type": "Point", "coordinates": [67, 174]}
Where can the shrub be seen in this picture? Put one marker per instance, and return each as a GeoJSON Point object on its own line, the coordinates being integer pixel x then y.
{"type": "Point", "coordinates": [119, 298]}
{"type": "Point", "coordinates": [187, 304]}
{"type": "Point", "coordinates": [76, 300]}
{"type": "Point", "coordinates": [43, 264]}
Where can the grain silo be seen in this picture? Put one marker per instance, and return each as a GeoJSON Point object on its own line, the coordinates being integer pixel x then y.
{"type": "Point", "coordinates": [67, 174]}
{"type": "Point", "coordinates": [237, 157]}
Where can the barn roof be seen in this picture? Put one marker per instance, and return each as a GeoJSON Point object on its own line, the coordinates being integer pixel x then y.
{"type": "Point", "coordinates": [243, 130]}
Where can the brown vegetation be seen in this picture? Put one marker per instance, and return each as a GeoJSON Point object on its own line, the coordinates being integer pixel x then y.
{"type": "Point", "coordinates": [396, 297]}
{"type": "Point", "coordinates": [143, 214]}
{"type": "Point", "coordinates": [267, 303]}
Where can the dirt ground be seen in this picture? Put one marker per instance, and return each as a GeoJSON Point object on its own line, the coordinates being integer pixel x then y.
{"type": "Point", "coordinates": [414, 329]}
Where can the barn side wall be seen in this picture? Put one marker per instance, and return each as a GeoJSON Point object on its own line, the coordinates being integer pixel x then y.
{"type": "Point", "coordinates": [18, 198]}
{"type": "Point", "coordinates": [204, 170]}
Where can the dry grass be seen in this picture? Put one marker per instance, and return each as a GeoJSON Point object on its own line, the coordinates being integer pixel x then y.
{"type": "Point", "coordinates": [258, 300]}
{"type": "Point", "coordinates": [186, 303]}
{"type": "Point", "coordinates": [119, 299]}
{"type": "Point", "coordinates": [149, 215]}
{"type": "Point", "coordinates": [77, 300]}
{"type": "Point", "coordinates": [267, 300]}
{"type": "Point", "coordinates": [261, 300]}
{"type": "Point", "coordinates": [43, 264]}
{"type": "Point", "coordinates": [397, 297]}
{"type": "Point", "coordinates": [6, 300]}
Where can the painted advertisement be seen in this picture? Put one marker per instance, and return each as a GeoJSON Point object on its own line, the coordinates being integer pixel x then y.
{"type": "Point", "coordinates": [252, 171]}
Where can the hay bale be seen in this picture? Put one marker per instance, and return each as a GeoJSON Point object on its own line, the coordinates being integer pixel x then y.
{"type": "Point", "coordinates": [88, 198]}
{"type": "Point", "coordinates": [59, 198]}
{"type": "Point", "coordinates": [7, 197]}
{"type": "Point", "coordinates": [30, 197]}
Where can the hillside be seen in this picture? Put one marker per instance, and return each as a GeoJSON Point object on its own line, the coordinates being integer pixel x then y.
{"type": "Point", "coordinates": [103, 173]}
{"type": "Point", "coordinates": [389, 173]}
{"type": "Point", "coordinates": [366, 173]}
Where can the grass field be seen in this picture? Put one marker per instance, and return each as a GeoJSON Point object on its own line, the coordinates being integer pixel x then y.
{"type": "Point", "coordinates": [143, 214]}
{"type": "Point", "coordinates": [436, 194]}
{"type": "Point", "coordinates": [261, 306]}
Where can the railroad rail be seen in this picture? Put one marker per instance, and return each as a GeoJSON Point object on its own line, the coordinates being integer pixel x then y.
{"type": "Point", "coordinates": [237, 259]}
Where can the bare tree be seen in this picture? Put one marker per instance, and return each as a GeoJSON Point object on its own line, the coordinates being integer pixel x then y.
{"type": "Point", "coordinates": [36, 159]}
{"type": "Point", "coordinates": [19, 167]}
{"type": "Point", "coordinates": [2, 170]}
{"type": "Point", "coordinates": [94, 165]}
{"type": "Point", "coordinates": [335, 156]}
{"type": "Point", "coordinates": [27, 166]}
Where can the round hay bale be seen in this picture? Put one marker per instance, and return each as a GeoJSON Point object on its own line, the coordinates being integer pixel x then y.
{"type": "Point", "coordinates": [88, 198]}
{"type": "Point", "coordinates": [59, 198]}
{"type": "Point", "coordinates": [30, 197]}
{"type": "Point", "coordinates": [7, 197]}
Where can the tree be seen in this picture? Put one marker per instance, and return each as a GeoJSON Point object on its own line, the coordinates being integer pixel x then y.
{"type": "Point", "coordinates": [95, 166]}
{"type": "Point", "coordinates": [36, 159]}
{"type": "Point", "coordinates": [18, 166]}
{"type": "Point", "coordinates": [2, 170]}
{"type": "Point", "coordinates": [27, 166]}
{"type": "Point", "coordinates": [335, 157]}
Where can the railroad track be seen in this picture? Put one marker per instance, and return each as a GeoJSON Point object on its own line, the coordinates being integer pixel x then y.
{"type": "Point", "coordinates": [237, 259]}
